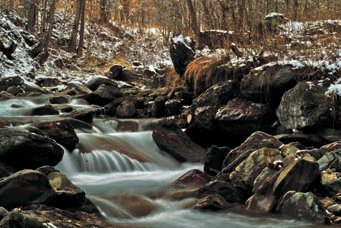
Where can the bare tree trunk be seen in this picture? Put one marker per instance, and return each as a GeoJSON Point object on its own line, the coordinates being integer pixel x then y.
{"type": "Point", "coordinates": [74, 33]}
{"type": "Point", "coordinates": [81, 32]}
{"type": "Point", "coordinates": [32, 15]}
{"type": "Point", "coordinates": [103, 12]}
{"type": "Point", "coordinates": [51, 23]}
{"type": "Point", "coordinates": [194, 22]}
{"type": "Point", "coordinates": [207, 14]}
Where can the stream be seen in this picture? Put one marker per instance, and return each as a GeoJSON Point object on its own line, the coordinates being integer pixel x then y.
{"type": "Point", "coordinates": [129, 168]}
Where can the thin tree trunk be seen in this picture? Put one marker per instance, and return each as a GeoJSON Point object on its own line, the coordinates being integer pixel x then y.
{"type": "Point", "coordinates": [51, 23]}
{"type": "Point", "coordinates": [32, 15]}
{"type": "Point", "coordinates": [194, 22]}
{"type": "Point", "coordinates": [74, 33]}
{"type": "Point", "coordinates": [103, 12]}
{"type": "Point", "coordinates": [81, 32]}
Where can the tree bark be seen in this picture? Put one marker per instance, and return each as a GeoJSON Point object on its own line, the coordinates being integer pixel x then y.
{"type": "Point", "coordinates": [75, 27]}
{"type": "Point", "coordinates": [81, 32]}
{"type": "Point", "coordinates": [194, 22]}
{"type": "Point", "coordinates": [32, 15]}
{"type": "Point", "coordinates": [51, 23]}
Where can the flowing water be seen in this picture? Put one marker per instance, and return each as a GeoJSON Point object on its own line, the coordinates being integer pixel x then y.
{"type": "Point", "coordinates": [126, 176]}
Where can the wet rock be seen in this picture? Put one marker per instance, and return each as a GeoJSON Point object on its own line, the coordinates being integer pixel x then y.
{"type": "Point", "coordinates": [175, 142]}
{"type": "Point", "coordinates": [23, 188]}
{"type": "Point", "coordinates": [6, 82]}
{"type": "Point", "coordinates": [6, 170]}
{"type": "Point", "coordinates": [127, 126]}
{"type": "Point", "coordinates": [67, 195]}
{"type": "Point", "coordinates": [103, 95]}
{"type": "Point", "coordinates": [182, 52]}
{"type": "Point", "coordinates": [192, 179]}
{"type": "Point", "coordinates": [15, 90]}
{"type": "Point", "coordinates": [264, 199]}
{"type": "Point", "coordinates": [255, 141]}
{"type": "Point", "coordinates": [95, 82]}
{"type": "Point", "coordinates": [110, 109]}
{"type": "Point", "coordinates": [308, 140]}
{"type": "Point", "coordinates": [330, 147]}
{"type": "Point", "coordinates": [3, 212]}
{"type": "Point", "coordinates": [44, 110]}
{"type": "Point", "coordinates": [204, 117]}
{"type": "Point", "coordinates": [48, 81]}
{"type": "Point", "coordinates": [214, 159]}
{"type": "Point", "coordinates": [158, 108]}
{"type": "Point", "coordinates": [304, 206]}
{"type": "Point", "coordinates": [305, 106]}
{"type": "Point", "coordinates": [173, 106]}
{"type": "Point", "coordinates": [61, 131]}
{"type": "Point", "coordinates": [135, 205]}
{"type": "Point", "coordinates": [15, 219]}
{"type": "Point", "coordinates": [299, 175]}
{"type": "Point", "coordinates": [331, 180]}
{"type": "Point", "coordinates": [331, 160]}
{"type": "Point", "coordinates": [47, 169]}
{"type": "Point", "coordinates": [5, 95]}
{"type": "Point", "coordinates": [241, 117]}
{"type": "Point", "coordinates": [40, 216]}
{"type": "Point", "coordinates": [229, 192]}
{"type": "Point", "coordinates": [213, 202]}
{"type": "Point", "coordinates": [86, 115]}
{"type": "Point", "coordinates": [126, 109]}
{"type": "Point", "coordinates": [115, 72]}
{"type": "Point", "coordinates": [335, 209]}
{"type": "Point", "coordinates": [247, 171]}
{"type": "Point", "coordinates": [59, 100]}
{"type": "Point", "coordinates": [218, 94]}
{"type": "Point", "coordinates": [180, 194]}
{"type": "Point", "coordinates": [28, 150]}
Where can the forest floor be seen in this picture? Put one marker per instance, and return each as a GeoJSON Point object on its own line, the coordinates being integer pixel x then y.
{"type": "Point", "coordinates": [313, 43]}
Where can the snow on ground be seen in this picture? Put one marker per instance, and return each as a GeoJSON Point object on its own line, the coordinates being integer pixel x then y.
{"type": "Point", "coordinates": [20, 62]}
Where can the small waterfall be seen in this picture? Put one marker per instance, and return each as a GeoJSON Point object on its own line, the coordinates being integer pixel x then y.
{"type": "Point", "coordinates": [100, 161]}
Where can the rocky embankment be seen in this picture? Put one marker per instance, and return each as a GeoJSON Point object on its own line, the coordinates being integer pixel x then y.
{"type": "Point", "coordinates": [281, 119]}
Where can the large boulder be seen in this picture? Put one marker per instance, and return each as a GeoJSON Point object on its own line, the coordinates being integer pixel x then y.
{"type": "Point", "coordinates": [182, 52]}
{"type": "Point", "coordinates": [126, 109]}
{"type": "Point", "coordinates": [175, 142]}
{"type": "Point", "coordinates": [268, 83]}
{"type": "Point", "coordinates": [307, 105]}
{"type": "Point", "coordinates": [28, 150]}
{"type": "Point", "coordinates": [247, 171]}
{"type": "Point", "coordinates": [103, 95]}
{"type": "Point", "coordinates": [255, 141]}
{"type": "Point", "coordinates": [61, 131]}
{"type": "Point", "coordinates": [299, 175]}
{"type": "Point", "coordinates": [218, 94]}
{"type": "Point", "coordinates": [23, 188]}
{"type": "Point", "coordinates": [304, 206]}
{"type": "Point", "coordinates": [95, 82]}
{"type": "Point", "coordinates": [241, 117]}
